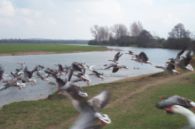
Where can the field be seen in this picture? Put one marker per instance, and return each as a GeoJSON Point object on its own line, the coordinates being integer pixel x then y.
{"type": "Point", "coordinates": [45, 48]}
{"type": "Point", "coordinates": [132, 105]}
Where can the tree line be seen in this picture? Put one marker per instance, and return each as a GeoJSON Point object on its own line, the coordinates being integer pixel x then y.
{"type": "Point", "coordinates": [136, 35]}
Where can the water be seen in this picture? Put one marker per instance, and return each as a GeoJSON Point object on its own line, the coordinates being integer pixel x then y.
{"type": "Point", "coordinates": [42, 89]}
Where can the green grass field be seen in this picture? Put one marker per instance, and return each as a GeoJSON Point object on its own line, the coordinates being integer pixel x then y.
{"type": "Point", "coordinates": [131, 112]}
{"type": "Point", "coordinates": [56, 48]}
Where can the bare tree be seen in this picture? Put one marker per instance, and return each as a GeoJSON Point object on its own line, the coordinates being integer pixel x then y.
{"type": "Point", "coordinates": [179, 32]}
{"type": "Point", "coordinates": [100, 33]}
{"type": "Point", "coordinates": [119, 30]}
{"type": "Point", "coordinates": [144, 39]}
{"type": "Point", "coordinates": [136, 28]}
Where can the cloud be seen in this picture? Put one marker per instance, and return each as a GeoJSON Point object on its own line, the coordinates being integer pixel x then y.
{"type": "Point", "coordinates": [74, 18]}
{"type": "Point", "coordinates": [6, 8]}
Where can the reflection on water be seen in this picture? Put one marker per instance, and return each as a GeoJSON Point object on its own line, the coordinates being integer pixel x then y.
{"type": "Point", "coordinates": [42, 90]}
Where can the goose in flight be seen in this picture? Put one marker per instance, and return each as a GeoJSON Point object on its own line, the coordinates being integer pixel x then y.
{"type": "Point", "coordinates": [28, 74]}
{"type": "Point", "coordinates": [184, 62]}
{"type": "Point", "coordinates": [141, 58]}
{"type": "Point", "coordinates": [1, 73]}
{"type": "Point", "coordinates": [116, 57]}
{"type": "Point", "coordinates": [115, 67]}
{"type": "Point", "coordinates": [82, 77]}
{"type": "Point", "coordinates": [180, 105]}
{"type": "Point", "coordinates": [130, 52]}
{"type": "Point", "coordinates": [170, 66]}
{"type": "Point", "coordinates": [95, 72]}
{"type": "Point", "coordinates": [13, 83]}
{"type": "Point", "coordinates": [76, 67]}
{"type": "Point", "coordinates": [175, 100]}
{"type": "Point", "coordinates": [178, 57]}
{"type": "Point", "coordinates": [90, 117]}
{"type": "Point", "coordinates": [60, 82]}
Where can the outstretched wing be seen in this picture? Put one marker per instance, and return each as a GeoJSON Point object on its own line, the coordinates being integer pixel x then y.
{"type": "Point", "coordinates": [174, 100]}
{"type": "Point", "coordinates": [100, 101]}
{"type": "Point", "coordinates": [86, 120]}
{"type": "Point", "coordinates": [179, 54]}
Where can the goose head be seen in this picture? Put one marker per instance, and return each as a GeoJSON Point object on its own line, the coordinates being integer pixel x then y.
{"type": "Point", "coordinates": [103, 118]}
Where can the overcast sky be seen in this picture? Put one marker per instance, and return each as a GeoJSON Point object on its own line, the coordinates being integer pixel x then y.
{"type": "Point", "coordinates": [72, 19]}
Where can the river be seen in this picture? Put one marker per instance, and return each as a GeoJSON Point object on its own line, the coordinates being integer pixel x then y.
{"type": "Point", "coordinates": [42, 89]}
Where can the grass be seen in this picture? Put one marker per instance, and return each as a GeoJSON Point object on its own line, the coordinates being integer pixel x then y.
{"type": "Point", "coordinates": [56, 48]}
{"type": "Point", "coordinates": [133, 112]}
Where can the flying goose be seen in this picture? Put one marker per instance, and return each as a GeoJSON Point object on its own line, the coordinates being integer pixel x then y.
{"type": "Point", "coordinates": [76, 67]}
{"type": "Point", "coordinates": [116, 57]}
{"type": "Point", "coordinates": [82, 77]}
{"type": "Point", "coordinates": [185, 61]}
{"type": "Point", "coordinates": [130, 52]}
{"type": "Point", "coordinates": [175, 100]}
{"type": "Point", "coordinates": [90, 117]}
{"type": "Point", "coordinates": [1, 73]}
{"type": "Point", "coordinates": [29, 74]}
{"type": "Point", "coordinates": [170, 66]}
{"type": "Point", "coordinates": [142, 58]}
{"type": "Point", "coordinates": [116, 67]}
{"type": "Point", "coordinates": [13, 83]}
{"type": "Point", "coordinates": [95, 72]}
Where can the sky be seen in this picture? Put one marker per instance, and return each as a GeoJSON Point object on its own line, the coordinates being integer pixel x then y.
{"type": "Point", "coordinates": [72, 19]}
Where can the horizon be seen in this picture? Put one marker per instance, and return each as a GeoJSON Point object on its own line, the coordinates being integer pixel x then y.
{"type": "Point", "coordinates": [65, 20]}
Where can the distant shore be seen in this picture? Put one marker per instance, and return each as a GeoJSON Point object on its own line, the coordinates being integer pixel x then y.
{"type": "Point", "coordinates": [43, 49]}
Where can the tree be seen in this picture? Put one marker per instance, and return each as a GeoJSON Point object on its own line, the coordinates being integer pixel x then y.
{"type": "Point", "coordinates": [179, 32]}
{"type": "Point", "coordinates": [100, 33]}
{"type": "Point", "coordinates": [144, 39]}
{"type": "Point", "coordinates": [119, 30]}
{"type": "Point", "coordinates": [136, 28]}
{"type": "Point", "coordinates": [179, 38]}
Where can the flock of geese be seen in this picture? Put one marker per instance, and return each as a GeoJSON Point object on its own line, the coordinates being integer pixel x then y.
{"type": "Point", "coordinates": [66, 77]}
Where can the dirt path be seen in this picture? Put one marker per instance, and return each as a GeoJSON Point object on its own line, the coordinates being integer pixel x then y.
{"type": "Point", "coordinates": [147, 86]}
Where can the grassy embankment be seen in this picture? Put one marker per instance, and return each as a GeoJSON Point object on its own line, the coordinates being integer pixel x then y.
{"type": "Point", "coordinates": [50, 48]}
{"type": "Point", "coordinates": [132, 105]}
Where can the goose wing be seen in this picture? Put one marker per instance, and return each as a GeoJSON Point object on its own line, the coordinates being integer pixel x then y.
{"type": "Point", "coordinates": [174, 100]}
{"type": "Point", "coordinates": [100, 101]}
{"type": "Point", "coordinates": [143, 56]}
{"type": "Point", "coordinates": [1, 73]}
{"type": "Point", "coordinates": [86, 120]}
{"type": "Point", "coordinates": [179, 54]}
{"type": "Point", "coordinates": [115, 69]}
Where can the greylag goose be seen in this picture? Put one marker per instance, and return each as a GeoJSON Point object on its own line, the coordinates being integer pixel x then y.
{"type": "Point", "coordinates": [170, 66]}
{"type": "Point", "coordinates": [185, 61]}
{"type": "Point", "coordinates": [13, 83]}
{"type": "Point", "coordinates": [175, 100]}
{"type": "Point", "coordinates": [76, 67]}
{"type": "Point", "coordinates": [115, 67]}
{"type": "Point", "coordinates": [142, 58]}
{"type": "Point", "coordinates": [1, 73]}
{"type": "Point", "coordinates": [116, 57]}
{"type": "Point", "coordinates": [90, 117]}
{"type": "Point", "coordinates": [95, 72]}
